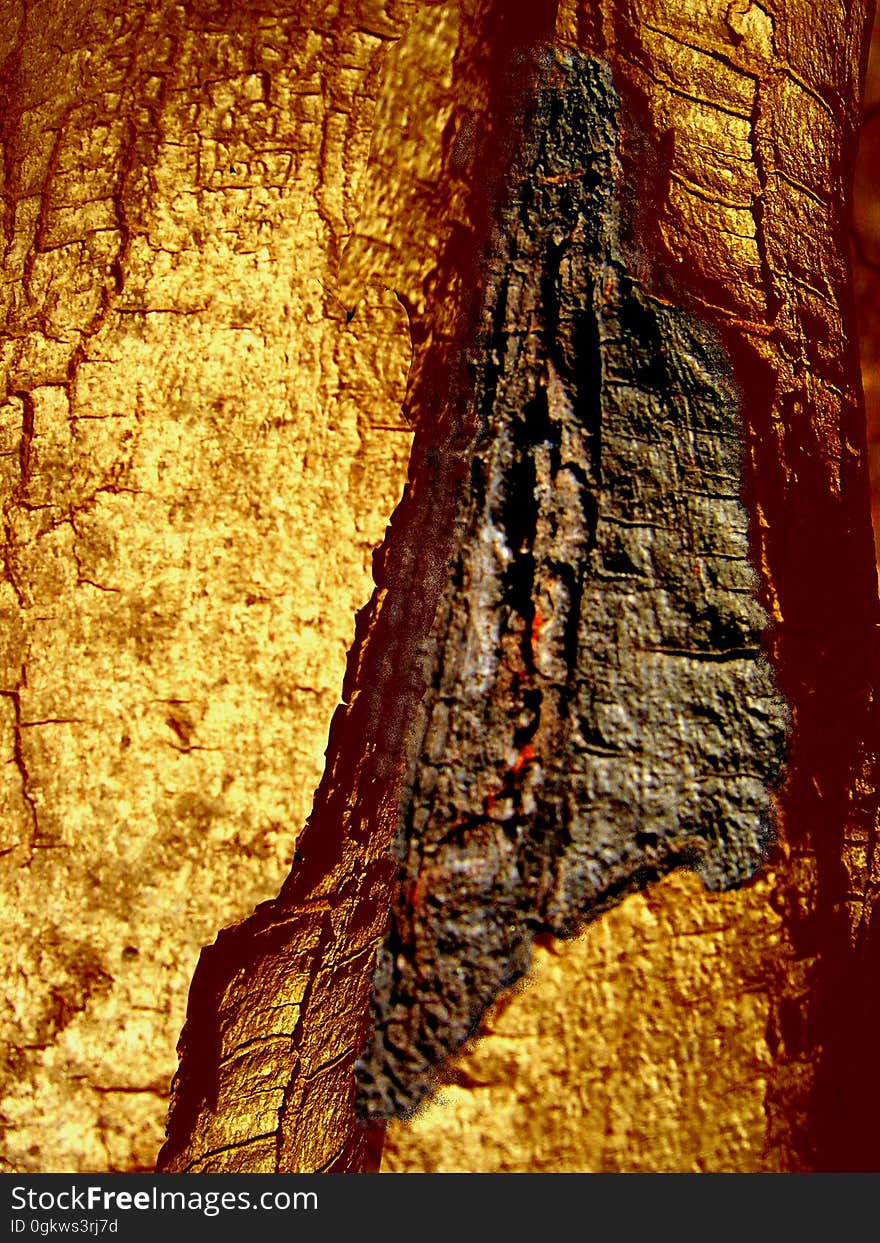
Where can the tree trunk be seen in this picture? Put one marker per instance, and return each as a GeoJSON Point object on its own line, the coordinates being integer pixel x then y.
{"type": "Point", "coordinates": [175, 215]}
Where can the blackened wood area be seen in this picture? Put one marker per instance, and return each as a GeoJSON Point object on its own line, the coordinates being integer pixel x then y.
{"type": "Point", "coordinates": [598, 710]}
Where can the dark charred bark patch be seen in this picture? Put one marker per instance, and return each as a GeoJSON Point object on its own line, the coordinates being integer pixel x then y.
{"type": "Point", "coordinates": [598, 709]}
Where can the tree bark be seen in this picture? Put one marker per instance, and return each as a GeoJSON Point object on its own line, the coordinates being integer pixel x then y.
{"type": "Point", "coordinates": [771, 309]}
{"type": "Point", "coordinates": [179, 185]}
{"type": "Point", "coordinates": [179, 453]}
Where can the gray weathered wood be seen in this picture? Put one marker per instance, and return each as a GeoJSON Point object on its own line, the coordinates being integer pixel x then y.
{"type": "Point", "coordinates": [599, 710]}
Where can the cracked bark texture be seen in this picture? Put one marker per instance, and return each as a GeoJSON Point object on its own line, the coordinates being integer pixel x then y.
{"type": "Point", "coordinates": [705, 1013]}
{"type": "Point", "coordinates": [178, 452]}
{"type": "Point", "coordinates": [598, 709]}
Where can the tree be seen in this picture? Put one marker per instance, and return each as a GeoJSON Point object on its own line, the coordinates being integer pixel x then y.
{"type": "Point", "coordinates": [745, 219]}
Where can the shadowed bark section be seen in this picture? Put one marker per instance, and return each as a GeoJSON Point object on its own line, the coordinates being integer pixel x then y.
{"type": "Point", "coordinates": [599, 710]}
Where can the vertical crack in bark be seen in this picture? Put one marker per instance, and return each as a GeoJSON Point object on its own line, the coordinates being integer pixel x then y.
{"type": "Point", "coordinates": [18, 755]}
{"type": "Point", "coordinates": [598, 708]}
{"type": "Point", "coordinates": [25, 443]}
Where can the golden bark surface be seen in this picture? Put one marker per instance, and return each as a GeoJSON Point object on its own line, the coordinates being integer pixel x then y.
{"type": "Point", "coordinates": [200, 454]}
{"type": "Point", "coordinates": [198, 458]}
{"type": "Point", "coordinates": [634, 1047]}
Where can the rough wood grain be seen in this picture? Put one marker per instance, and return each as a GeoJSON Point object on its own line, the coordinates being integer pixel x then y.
{"type": "Point", "coordinates": [187, 424]}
